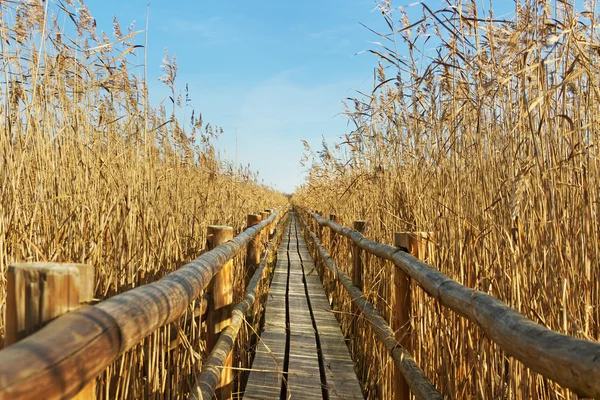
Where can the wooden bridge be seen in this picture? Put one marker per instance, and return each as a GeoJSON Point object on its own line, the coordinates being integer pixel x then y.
{"type": "Point", "coordinates": [300, 350]}
{"type": "Point", "coordinates": [303, 352]}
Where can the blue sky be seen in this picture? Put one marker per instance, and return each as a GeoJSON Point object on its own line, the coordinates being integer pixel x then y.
{"type": "Point", "coordinates": [277, 71]}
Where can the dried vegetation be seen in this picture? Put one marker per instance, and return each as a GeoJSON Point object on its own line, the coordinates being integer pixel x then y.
{"type": "Point", "coordinates": [481, 129]}
{"type": "Point", "coordinates": [91, 173]}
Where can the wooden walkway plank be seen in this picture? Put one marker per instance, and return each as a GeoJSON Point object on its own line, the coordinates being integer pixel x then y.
{"type": "Point", "coordinates": [339, 368]}
{"type": "Point", "coordinates": [304, 378]}
{"type": "Point", "coordinates": [265, 379]}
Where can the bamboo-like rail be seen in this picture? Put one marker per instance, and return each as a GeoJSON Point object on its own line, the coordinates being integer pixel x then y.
{"type": "Point", "coordinates": [420, 385]}
{"type": "Point", "coordinates": [571, 362]}
{"type": "Point", "coordinates": [72, 350]}
{"type": "Point", "coordinates": [207, 380]}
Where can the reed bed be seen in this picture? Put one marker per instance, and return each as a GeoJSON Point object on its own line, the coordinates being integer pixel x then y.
{"type": "Point", "coordinates": [483, 131]}
{"type": "Point", "coordinates": [90, 172]}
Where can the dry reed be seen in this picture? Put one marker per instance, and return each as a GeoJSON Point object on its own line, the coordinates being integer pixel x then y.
{"type": "Point", "coordinates": [489, 141]}
{"type": "Point", "coordinates": [91, 173]}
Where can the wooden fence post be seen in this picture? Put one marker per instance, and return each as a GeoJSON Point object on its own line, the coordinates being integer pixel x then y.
{"type": "Point", "coordinates": [333, 244]}
{"type": "Point", "coordinates": [419, 245]}
{"type": "Point", "coordinates": [271, 229]}
{"type": "Point", "coordinates": [319, 233]}
{"type": "Point", "coordinates": [39, 292]}
{"type": "Point", "coordinates": [319, 228]}
{"type": "Point", "coordinates": [357, 270]}
{"type": "Point", "coordinates": [357, 265]}
{"type": "Point", "coordinates": [220, 306]}
{"type": "Point", "coordinates": [253, 250]}
{"type": "Point", "coordinates": [333, 237]}
{"type": "Point", "coordinates": [265, 234]}
{"type": "Point", "coordinates": [402, 313]}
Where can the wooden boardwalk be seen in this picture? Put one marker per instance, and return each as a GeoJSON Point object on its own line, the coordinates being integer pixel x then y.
{"type": "Point", "coordinates": [301, 354]}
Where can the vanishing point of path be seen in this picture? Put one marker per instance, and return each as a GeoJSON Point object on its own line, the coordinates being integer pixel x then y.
{"type": "Point", "coordinates": [301, 353]}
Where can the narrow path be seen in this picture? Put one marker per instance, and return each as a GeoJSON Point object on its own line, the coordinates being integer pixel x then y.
{"type": "Point", "coordinates": [301, 354]}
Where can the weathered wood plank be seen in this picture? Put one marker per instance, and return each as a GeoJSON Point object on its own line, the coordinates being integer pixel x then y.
{"type": "Point", "coordinates": [265, 379]}
{"type": "Point", "coordinates": [304, 380]}
{"type": "Point", "coordinates": [342, 382]}
{"type": "Point", "coordinates": [304, 373]}
{"type": "Point", "coordinates": [267, 369]}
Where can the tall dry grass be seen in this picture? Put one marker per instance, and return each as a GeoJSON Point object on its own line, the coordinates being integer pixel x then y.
{"type": "Point", "coordinates": [90, 172]}
{"type": "Point", "coordinates": [483, 131]}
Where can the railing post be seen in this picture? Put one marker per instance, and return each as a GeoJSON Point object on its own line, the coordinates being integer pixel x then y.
{"type": "Point", "coordinates": [271, 229]}
{"type": "Point", "coordinates": [418, 244]}
{"type": "Point", "coordinates": [319, 231]}
{"type": "Point", "coordinates": [357, 264]}
{"type": "Point", "coordinates": [357, 269]}
{"type": "Point", "coordinates": [333, 238]}
{"type": "Point", "coordinates": [402, 311]}
{"type": "Point", "coordinates": [265, 233]}
{"type": "Point", "coordinates": [319, 234]}
{"type": "Point", "coordinates": [333, 244]}
{"type": "Point", "coordinates": [220, 306]}
{"type": "Point", "coordinates": [39, 292]}
{"type": "Point", "coordinates": [253, 249]}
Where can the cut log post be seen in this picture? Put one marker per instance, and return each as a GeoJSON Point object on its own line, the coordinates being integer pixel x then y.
{"type": "Point", "coordinates": [402, 313]}
{"type": "Point", "coordinates": [253, 250]}
{"type": "Point", "coordinates": [39, 292]}
{"type": "Point", "coordinates": [357, 264]}
{"type": "Point", "coordinates": [220, 305]}
{"type": "Point", "coordinates": [271, 229]}
{"type": "Point", "coordinates": [420, 245]}
{"type": "Point", "coordinates": [319, 234]}
{"type": "Point", "coordinates": [333, 244]}
{"type": "Point", "coordinates": [333, 237]}
{"type": "Point", "coordinates": [357, 270]}
{"type": "Point", "coordinates": [320, 228]}
{"type": "Point", "coordinates": [265, 233]}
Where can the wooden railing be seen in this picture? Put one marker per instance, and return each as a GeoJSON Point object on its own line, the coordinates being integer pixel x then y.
{"type": "Point", "coordinates": [59, 360]}
{"type": "Point", "coordinates": [571, 362]}
{"type": "Point", "coordinates": [212, 369]}
{"type": "Point", "coordinates": [420, 385]}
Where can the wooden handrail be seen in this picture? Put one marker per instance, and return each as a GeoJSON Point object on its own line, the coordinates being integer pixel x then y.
{"type": "Point", "coordinates": [207, 380]}
{"type": "Point", "coordinates": [61, 358]}
{"type": "Point", "coordinates": [571, 362]}
{"type": "Point", "coordinates": [420, 385]}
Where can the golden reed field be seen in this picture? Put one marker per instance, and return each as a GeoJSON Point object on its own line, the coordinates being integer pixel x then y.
{"type": "Point", "coordinates": [481, 129]}
{"type": "Point", "coordinates": [490, 142]}
{"type": "Point", "coordinates": [91, 173]}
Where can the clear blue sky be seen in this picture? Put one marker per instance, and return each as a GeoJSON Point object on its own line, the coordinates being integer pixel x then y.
{"type": "Point", "coordinates": [276, 70]}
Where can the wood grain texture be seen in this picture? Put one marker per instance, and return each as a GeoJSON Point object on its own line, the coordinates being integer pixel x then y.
{"type": "Point", "coordinates": [39, 292]}
{"type": "Point", "coordinates": [304, 380]}
{"type": "Point", "coordinates": [220, 294]}
{"type": "Point", "coordinates": [266, 376]}
{"type": "Point", "coordinates": [36, 294]}
{"type": "Point", "coordinates": [73, 349]}
{"type": "Point", "coordinates": [342, 382]}
{"type": "Point", "coordinates": [402, 318]}
{"type": "Point", "coordinates": [571, 362]}
{"type": "Point", "coordinates": [304, 375]}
